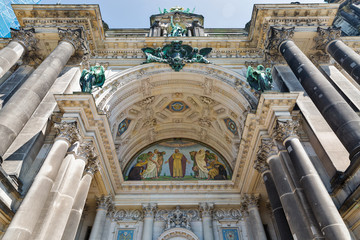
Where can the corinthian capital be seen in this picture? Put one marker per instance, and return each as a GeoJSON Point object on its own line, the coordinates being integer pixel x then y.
{"type": "Point", "coordinates": [286, 129]}
{"type": "Point", "coordinates": [206, 209]}
{"type": "Point", "coordinates": [251, 200]}
{"type": "Point", "coordinates": [276, 36]}
{"type": "Point", "coordinates": [103, 202]}
{"type": "Point", "coordinates": [325, 36]}
{"type": "Point", "coordinates": [261, 165]}
{"type": "Point", "coordinates": [73, 36]}
{"type": "Point", "coordinates": [149, 209]}
{"type": "Point", "coordinates": [67, 131]}
{"type": "Point", "coordinates": [25, 37]}
{"type": "Point", "coordinates": [86, 150]}
{"type": "Point", "coordinates": [267, 149]}
{"type": "Point", "coordinates": [92, 166]}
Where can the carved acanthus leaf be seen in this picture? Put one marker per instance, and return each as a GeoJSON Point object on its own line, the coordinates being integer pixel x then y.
{"type": "Point", "coordinates": [67, 131]}
{"type": "Point", "coordinates": [24, 36]}
{"type": "Point", "coordinates": [286, 129]}
{"type": "Point", "coordinates": [325, 36]}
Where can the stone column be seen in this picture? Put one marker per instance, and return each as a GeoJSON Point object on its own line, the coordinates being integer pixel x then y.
{"type": "Point", "coordinates": [336, 111]}
{"type": "Point", "coordinates": [23, 40]}
{"type": "Point", "coordinates": [79, 201]}
{"type": "Point", "coordinates": [18, 110]}
{"type": "Point", "coordinates": [251, 202]}
{"type": "Point", "coordinates": [103, 203]}
{"type": "Point", "coordinates": [329, 41]}
{"type": "Point", "coordinates": [108, 221]}
{"type": "Point", "coordinates": [206, 210]}
{"type": "Point", "coordinates": [300, 225]}
{"type": "Point", "coordinates": [53, 225]}
{"type": "Point", "coordinates": [325, 211]}
{"type": "Point", "coordinates": [283, 227]}
{"type": "Point", "coordinates": [26, 217]}
{"type": "Point", "coordinates": [149, 212]}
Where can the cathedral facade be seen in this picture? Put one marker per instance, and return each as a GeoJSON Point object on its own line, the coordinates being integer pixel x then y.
{"type": "Point", "coordinates": [177, 131]}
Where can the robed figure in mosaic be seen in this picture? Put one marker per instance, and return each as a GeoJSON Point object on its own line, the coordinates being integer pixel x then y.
{"type": "Point", "coordinates": [177, 164]}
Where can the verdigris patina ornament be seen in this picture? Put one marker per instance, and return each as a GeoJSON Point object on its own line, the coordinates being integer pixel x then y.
{"type": "Point", "coordinates": [260, 78]}
{"type": "Point", "coordinates": [176, 55]}
{"type": "Point", "coordinates": [94, 77]}
{"type": "Point", "coordinates": [176, 29]}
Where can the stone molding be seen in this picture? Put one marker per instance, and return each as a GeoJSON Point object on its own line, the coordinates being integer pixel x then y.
{"type": "Point", "coordinates": [175, 233]}
{"type": "Point", "coordinates": [325, 36]}
{"type": "Point", "coordinates": [73, 36]}
{"type": "Point", "coordinates": [267, 149]}
{"type": "Point", "coordinates": [206, 209]}
{"type": "Point", "coordinates": [103, 202]}
{"type": "Point", "coordinates": [286, 129]}
{"type": "Point", "coordinates": [67, 131]}
{"type": "Point", "coordinates": [227, 214]}
{"type": "Point", "coordinates": [149, 209]}
{"type": "Point", "coordinates": [251, 200]}
{"type": "Point", "coordinates": [25, 37]}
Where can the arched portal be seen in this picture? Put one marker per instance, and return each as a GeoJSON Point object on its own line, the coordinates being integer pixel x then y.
{"type": "Point", "coordinates": [151, 102]}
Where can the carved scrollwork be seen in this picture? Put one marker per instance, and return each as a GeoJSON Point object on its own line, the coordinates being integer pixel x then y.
{"type": "Point", "coordinates": [125, 214]}
{"type": "Point", "coordinates": [67, 131]}
{"type": "Point", "coordinates": [24, 36]}
{"type": "Point", "coordinates": [325, 36]}
{"type": "Point", "coordinates": [232, 214]}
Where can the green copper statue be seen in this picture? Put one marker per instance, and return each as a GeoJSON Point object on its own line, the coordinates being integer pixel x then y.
{"type": "Point", "coordinates": [176, 55]}
{"type": "Point", "coordinates": [176, 29]}
{"type": "Point", "coordinates": [259, 79]}
{"type": "Point", "coordinates": [95, 77]}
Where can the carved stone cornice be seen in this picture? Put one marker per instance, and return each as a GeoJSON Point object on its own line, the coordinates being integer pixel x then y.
{"type": "Point", "coordinates": [325, 36]}
{"type": "Point", "coordinates": [126, 214]}
{"type": "Point", "coordinates": [103, 202]}
{"type": "Point", "coordinates": [231, 214]}
{"type": "Point", "coordinates": [25, 37]}
{"type": "Point", "coordinates": [73, 36]}
{"type": "Point", "coordinates": [149, 209]}
{"type": "Point", "coordinates": [67, 131]}
{"type": "Point", "coordinates": [251, 200]}
{"type": "Point", "coordinates": [286, 129]}
{"type": "Point", "coordinates": [206, 209]}
{"type": "Point", "coordinates": [268, 148]}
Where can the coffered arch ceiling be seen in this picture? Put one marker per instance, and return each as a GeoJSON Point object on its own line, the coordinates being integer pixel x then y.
{"type": "Point", "coordinates": [205, 103]}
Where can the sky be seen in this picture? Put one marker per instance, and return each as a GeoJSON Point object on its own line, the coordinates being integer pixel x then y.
{"type": "Point", "coordinates": [136, 13]}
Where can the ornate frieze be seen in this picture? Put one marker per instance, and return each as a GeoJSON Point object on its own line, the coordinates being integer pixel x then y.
{"type": "Point", "coordinates": [127, 214]}
{"type": "Point", "coordinates": [228, 214]}
{"type": "Point", "coordinates": [73, 36]}
{"type": "Point", "coordinates": [149, 209]}
{"type": "Point", "coordinates": [67, 131]}
{"type": "Point", "coordinates": [103, 202]}
{"type": "Point", "coordinates": [325, 36]}
{"type": "Point", "coordinates": [267, 149]}
{"type": "Point", "coordinates": [206, 209]}
{"type": "Point", "coordinates": [164, 214]}
{"type": "Point", "coordinates": [286, 129]}
{"type": "Point", "coordinates": [24, 36]}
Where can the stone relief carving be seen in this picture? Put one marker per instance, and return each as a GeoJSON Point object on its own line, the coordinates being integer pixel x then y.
{"type": "Point", "coordinates": [24, 36]}
{"type": "Point", "coordinates": [232, 214]}
{"type": "Point", "coordinates": [75, 37]}
{"type": "Point", "coordinates": [267, 149]}
{"type": "Point", "coordinates": [208, 86]}
{"type": "Point", "coordinates": [149, 209]}
{"type": "Point", "coordinates": [206, 209]}
{"type": "Point", "coordinates": [251, 200]}
{"type": "Point", "coordinates": [126, 214]}
{"type": "Point", "coordinates": [67, 131]}
{"type": "Point", "coordinates": [275, 37]}
{"type": "Point", "coordinates": [285, 129]}
{"type": "Point", "coordinates": [104, 202]}
{"type": "Point", "coordinates": [177, 219]}
{"type": "Point", "coordinates": [325, 36]}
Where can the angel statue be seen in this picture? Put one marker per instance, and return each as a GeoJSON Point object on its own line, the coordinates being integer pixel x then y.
{"type": "Point", "coordinates": [176, 29]}
{"type": "Point", "coordinates": [95, 77]}
{"type": "Point", "coordinates": [199, 57]}
{"type": "Point", "coordinates": [259, 79]}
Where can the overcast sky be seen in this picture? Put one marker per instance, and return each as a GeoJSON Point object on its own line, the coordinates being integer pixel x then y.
{"type": "Point", "coordinates": [136, 13]}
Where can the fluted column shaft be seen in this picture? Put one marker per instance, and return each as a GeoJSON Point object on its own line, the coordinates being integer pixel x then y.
{"type": "Point", "coordinates": [26, 217]}
{"type": "Point", "coordinates": [325, 211]}
{"type": "Point", "coordinates": [277, 209]}
{"type": "Point", "coordinates": [206, 210]}
{"type": "Point", "coordinates": [18, 110]}
{"type": "Point", "coordinates": [98, 227]}
{"type": "Point", "coordinates": [149, 211]}
{"type": "Point", "coordinates": [78, 206]}
{"type": "Point", "coordinates": [254, 216]}
{"type": "Point", "coordinates": [339, 115]}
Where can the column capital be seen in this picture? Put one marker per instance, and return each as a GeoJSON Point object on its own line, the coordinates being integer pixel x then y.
{"type": "Point", "coordinates": [276, 36]}
{"type": "Point", "coordinates": [103, 202]}
{"type": "Point", "coordinates": [149, 209]}
{"type": "Point", "coordinates": [85, 150]}
{"type": "Point", "coordinates": [25, 37]}
{"type": "Point", "coordinates": [206, 209]}
{"type": "Point", "coordinates": [261, 165]}
{"type": "Point", "coordinates": [67, 131]}
{"type": "Point", "coordinates": [73, 36]}
{"type": "Point", "coordinates": [251, 200]}
{"type": "Point", "coordinates": [267, 149]}
{"type": "Point", "coordinates": [325, 36]}
{"type": "Point", "coordinates": [92, 166]}
{"type": "Point", "coordinates": [286, 129]}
